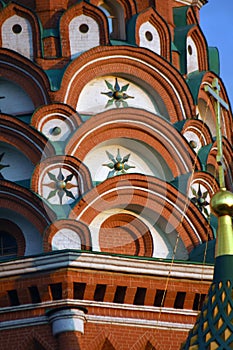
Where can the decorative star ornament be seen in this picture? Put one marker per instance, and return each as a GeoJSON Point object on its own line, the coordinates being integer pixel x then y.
{"type": "Point", "coordinates": [200, 200]}
{"type": "Point", "coordinates": [61, 186]}
{"type": "Point", "coordinates": [118, 164]}
{"type": "Point", "coordinates": [2, 166]}
{"type": "Point", "coordinates": [116, 94]}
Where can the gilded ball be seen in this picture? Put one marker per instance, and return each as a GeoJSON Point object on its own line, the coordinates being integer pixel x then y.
{"type": "Point", "coordinates": [222, 203]}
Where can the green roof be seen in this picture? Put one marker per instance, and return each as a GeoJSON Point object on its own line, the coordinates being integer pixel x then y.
{"type": "Point", "coordinates": [214, 62]}
{"type": "Point", "coordinates": [180, 16]}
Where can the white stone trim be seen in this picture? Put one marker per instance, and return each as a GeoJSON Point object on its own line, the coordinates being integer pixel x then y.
{"type": "Point", "coordinates": [99, 319]}
{"type": "Point", "coordinates": [198, 3]}
{"type": "Point", "coordinates": [101, 305]}
{"type": "Point", "coordinates": [22, 199]}
{"type": "Point", "coordinates": [134, 122]}
{"type": "Point", "coordinates": [26, 73]}
{"type": "Point", "coordinates": [23, 322]}
{"type": "Point", "coordinates": [164, 198]}
{"type": "Point", "coordinates": [106, 262]}
{"type": "Point", "coordinates": [132, 59]}
{"type": "Point", "coordinates": [139, 322]}
{"type": "Point", "coordinates": [68, 320]}
{"type": "Point", "coordinates": [16, 131]}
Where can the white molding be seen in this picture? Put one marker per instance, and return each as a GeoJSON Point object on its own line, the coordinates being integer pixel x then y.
{"type": "Point", "coordinates": [119, 321]}
{"type": "Point", "coordinates": [139, 322]}
{"type": "Point", "coordinates": [99, 319]}
{"type": "Point", "coordinates": [123, 57]}
{"type": "Point", "coordinates": [23, 322]}
{"type": "Point", "coordinates": [104, 262]}
{"type": "Point", "coordinates": [198, 3]}
{"type": "Point", "coordinates": [102, 305]}
{"type": "Point", "coordinates": [67, 320]}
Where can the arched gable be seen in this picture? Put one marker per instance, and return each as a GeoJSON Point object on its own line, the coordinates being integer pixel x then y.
{"type": "Point", "coordinates": [21, 201]}
{"type": "Point", "coordinates": [153, 70]}
{"type": "Point", "coordinates": [139, 125]}
{"type": "Point", "coordinates": [23, 72]}
{"type": "Point", "coordinates": [196, 133]}
{"type": "Point", "coordinates": [56, 121]}
{"type": "Point", "coordinates": [149, 197]}
{"type": "Point", "coordinates": [152, 18]}
{"type": "Point", "coordinates": [86, 15]}
{"type": "Point", "coordinates": [193, 49]}
{"type": "Point", "coordinates": [199, 44]}
{"type": "Point", "coordinates": [61, 179]}
{"type": "Point", "coordinates": [19, 24]}
{"type": "Point", "coordinates": [129, 6]}
{"type": "Point", "coordinates": [67, 227]}
{"type": "Point", "coordinates": [13, 230]}
{"type": "Point", "coordinates": [20, 135]}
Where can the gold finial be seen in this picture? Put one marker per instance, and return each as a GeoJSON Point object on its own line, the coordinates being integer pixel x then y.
{"type": "Point", "coordinates": [222, 202]}
{"type": "Point", "coordinates": [214, 91]}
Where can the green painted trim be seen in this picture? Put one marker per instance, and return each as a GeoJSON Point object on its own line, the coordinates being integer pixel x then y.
{"type": "Point", "coordinates": [180, 16]}
{"type": "Point", "coordinates": [194, 81]}
{"type": "Point", "coordinates": [173, 47]}
{"type": "Point", "coordinates": [214, 60]}
{"type": "Point", "coordinates": [203, 155]}
{"type": "Point", "coordinates": [130, 30]}
{"type": "Point", "coordinates": [179, 125]}
{"type": "Point", "coordinates": [55, 77]}
{"type": "Point", "coordinates": [180, 38]}
{"type": "Point", "coordinates": [59, 147]}
{"type": "Point", "coordinates": [181, 182]}
{"type": "Point", "coordinates": [223, 270]}
{"type": "Point", "coordinates": [50, 32]}
{"type": "Point", "coordinates": [204, 253]}
{"type": "Point", "coordinates": [121, 43]}
{"type": "Point", "coordinates": [3, 3]}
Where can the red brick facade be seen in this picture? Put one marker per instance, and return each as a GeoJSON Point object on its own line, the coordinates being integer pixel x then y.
{"type": "Point", "coordinates": [107, 167]}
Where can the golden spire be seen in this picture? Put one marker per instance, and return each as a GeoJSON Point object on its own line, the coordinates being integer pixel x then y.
{"type": "Point", "coordinates": [214, 325]}
{"type": "Point", "coordinates": [222, 201]}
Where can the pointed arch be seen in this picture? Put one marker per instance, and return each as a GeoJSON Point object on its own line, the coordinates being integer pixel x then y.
{"type": "Point", "coordinates": [105, 338]}
{"type": "Point", "coordinates": [13, 10]}
{"type": "Point", "coordinates": [152, 69]}
{"type": "Point", "coordinates": [89, 15]}
{"type": "Point", "coordinates": [151, 16]}
{"type": "Point", "coordinates": [35, 338]}
{"type": "Point", "coordinates": [200, 42]}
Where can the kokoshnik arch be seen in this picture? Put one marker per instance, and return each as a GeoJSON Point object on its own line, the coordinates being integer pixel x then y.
{"type": "Point", "coordinates": [107, 169]}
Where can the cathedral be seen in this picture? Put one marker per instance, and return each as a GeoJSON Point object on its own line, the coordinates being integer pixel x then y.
{"type": "Point", "coordinates": [110, 158]}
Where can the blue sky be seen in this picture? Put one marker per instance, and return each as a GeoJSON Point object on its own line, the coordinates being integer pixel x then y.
{"type": "Point", "coordinates": [216, 21]}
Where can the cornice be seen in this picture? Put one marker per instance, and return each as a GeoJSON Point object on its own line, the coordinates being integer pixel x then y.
{"type": "Point", "coordinates": [198, 3]}
{"type": "Point", "coordinates": [104, 262]}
